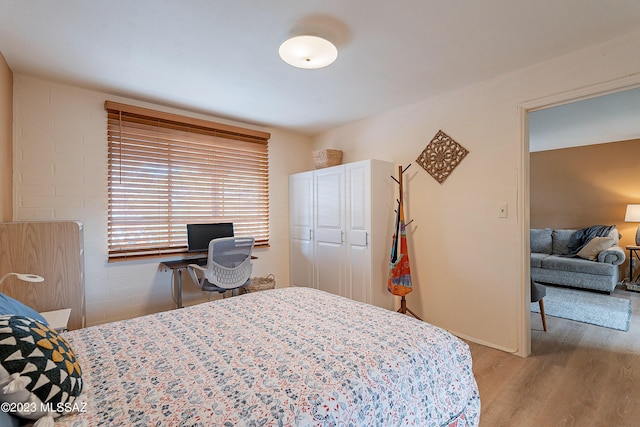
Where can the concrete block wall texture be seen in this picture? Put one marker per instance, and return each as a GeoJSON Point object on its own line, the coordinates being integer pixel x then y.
{"type": "Point", "coordinates": [60, 172]}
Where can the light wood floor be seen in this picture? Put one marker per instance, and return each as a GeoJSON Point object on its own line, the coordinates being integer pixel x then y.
{"type": "Point", "coordinates": [577, 375]}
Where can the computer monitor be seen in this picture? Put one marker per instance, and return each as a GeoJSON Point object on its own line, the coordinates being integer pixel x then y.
{"type": "Point", "coordinates": [199, 235]}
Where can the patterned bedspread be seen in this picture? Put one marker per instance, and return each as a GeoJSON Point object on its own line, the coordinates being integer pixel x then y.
{"type": "Point", "coordinates": [285, 357]}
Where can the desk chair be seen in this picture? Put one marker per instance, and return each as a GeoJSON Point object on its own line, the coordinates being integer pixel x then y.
{"type": "Point", "coordinates": [538, 292]}
{"type": "Point", "coordinates": [228, 265]}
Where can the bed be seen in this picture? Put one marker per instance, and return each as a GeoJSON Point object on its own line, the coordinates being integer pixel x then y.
{"type": "Point", "coordinates": [284, 357]}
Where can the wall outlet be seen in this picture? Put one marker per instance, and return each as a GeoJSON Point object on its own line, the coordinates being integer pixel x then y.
{"type": "Point", "coordinates": [503, 210]}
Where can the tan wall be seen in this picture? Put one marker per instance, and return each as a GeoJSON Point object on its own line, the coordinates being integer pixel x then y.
{"type": "Point", "coordinates": [582, 186]}
{"type": "Point", "coordinates": [6, 141]}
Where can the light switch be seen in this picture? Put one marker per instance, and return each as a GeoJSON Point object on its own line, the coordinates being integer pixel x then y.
{"type": "Point", "coordinates": [503, 210]}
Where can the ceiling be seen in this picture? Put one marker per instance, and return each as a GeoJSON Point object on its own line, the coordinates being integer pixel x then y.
{"type": "Point", "coordinates": [608, 118]}
{"type": "Point", "coordinates": [221, 57]}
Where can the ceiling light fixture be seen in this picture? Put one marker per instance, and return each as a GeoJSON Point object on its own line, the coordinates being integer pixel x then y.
{"type": "Point", "coordinates": [308, 52]}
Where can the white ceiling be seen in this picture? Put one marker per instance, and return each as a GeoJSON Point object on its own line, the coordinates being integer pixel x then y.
{"type": "Point", "coordinates": [221, 57]}
{"type": "Point", "coordinates": [608, 118]}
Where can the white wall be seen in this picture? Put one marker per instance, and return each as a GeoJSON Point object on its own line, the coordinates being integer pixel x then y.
{"type": "Point", "coordinates": [60, 172]}
{"type": "Point", "coordinates": [469, 267]}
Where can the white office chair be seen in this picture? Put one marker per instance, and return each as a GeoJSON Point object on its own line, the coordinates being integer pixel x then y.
{"type": "Point", "coordinates": [228, 265]}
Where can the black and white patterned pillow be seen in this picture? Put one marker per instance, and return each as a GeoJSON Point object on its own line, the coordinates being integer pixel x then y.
{"type": "Point", "coordinates": [39, 372]}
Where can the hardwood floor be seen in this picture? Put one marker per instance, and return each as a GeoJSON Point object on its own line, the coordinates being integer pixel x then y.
{"type": "Point", "coordinates": [577, 375]}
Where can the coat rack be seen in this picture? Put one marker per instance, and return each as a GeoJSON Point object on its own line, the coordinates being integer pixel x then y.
{"type": "Point", "coordinates": [399, 282]}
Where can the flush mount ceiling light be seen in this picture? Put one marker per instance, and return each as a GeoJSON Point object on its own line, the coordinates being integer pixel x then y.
{"type": "Point", "coordinates": [308, 52]}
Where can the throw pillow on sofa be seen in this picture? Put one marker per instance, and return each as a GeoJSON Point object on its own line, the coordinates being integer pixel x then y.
{"type": "Point", "coordinates": [561, 238]}
{"type": "Point", "coordinates": [540, 239]}
{"type": "Point", "coordinates": [596, 245]}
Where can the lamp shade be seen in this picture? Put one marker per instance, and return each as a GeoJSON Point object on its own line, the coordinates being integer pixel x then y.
{"type": "Point", "coordinates": [633, 213]}
{"type": "Point", "coordinates": [308, 52]}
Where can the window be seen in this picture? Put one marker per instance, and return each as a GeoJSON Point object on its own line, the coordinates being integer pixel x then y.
{"type": "Point", "coordinates": [166, 171]}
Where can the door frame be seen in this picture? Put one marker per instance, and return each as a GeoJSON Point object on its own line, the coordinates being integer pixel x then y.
{"type": "Point", "coordinates": [524, 108]}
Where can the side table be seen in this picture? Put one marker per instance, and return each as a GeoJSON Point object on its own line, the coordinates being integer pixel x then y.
{"type": "Point", "coordinates": [57, 319]}
{"type": "Point", "coordinates": [634, 253]}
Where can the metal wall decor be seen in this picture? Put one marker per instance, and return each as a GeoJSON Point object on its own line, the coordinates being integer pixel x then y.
{"type": "Point", "coordinates": [441, 156]}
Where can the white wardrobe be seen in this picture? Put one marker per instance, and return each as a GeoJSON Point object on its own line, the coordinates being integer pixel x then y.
{"type": "Point", "coordinates": [340, 227]}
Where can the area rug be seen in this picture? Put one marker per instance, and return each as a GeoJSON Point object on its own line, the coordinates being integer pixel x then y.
{"type": "Point", "coordinates": [587, 307]}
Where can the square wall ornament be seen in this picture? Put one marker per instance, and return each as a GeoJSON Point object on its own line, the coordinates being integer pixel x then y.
{"type": "Point", "coordinates": [441, 156]}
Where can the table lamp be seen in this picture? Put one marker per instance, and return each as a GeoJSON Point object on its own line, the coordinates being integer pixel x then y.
{"type": "Point", "coordinates": [633, 215]}
{"type": "Point", "coordinates": [25, 277]}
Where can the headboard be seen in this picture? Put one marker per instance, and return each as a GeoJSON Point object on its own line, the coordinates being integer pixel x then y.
{"type": "Point", "coordinates": [53, 250]}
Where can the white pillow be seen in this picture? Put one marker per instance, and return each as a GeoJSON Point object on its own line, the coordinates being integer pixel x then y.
{"type": "Point", "coordinates": [596, 245]}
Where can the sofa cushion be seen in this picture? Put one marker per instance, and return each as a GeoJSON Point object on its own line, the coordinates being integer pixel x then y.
{"type": "Point", "coordinates": [577, 265]}
{"type": "Point", "coordinates": [540, 239]}
{"type": "Point", "coordinates": [536, 259]}
{"type": "Point", "coordinates": [561, 238]}
{"type": "Point", "coordinates": [594, 282]}
{"type": "Point", "coordinates": [616, 236]}
{"type": "Point", "coordinates": [596, 245]}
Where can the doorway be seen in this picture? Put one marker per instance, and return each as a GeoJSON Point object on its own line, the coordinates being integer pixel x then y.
{"type": "Point", "coordinates": [603, 126]}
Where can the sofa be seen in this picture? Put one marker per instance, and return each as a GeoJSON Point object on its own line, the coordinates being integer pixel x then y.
{"type": "Point", "coordinates": [595, 266]}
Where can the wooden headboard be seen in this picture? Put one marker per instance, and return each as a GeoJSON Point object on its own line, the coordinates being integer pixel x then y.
{"type": "Point", "coordinates": [53, 250]}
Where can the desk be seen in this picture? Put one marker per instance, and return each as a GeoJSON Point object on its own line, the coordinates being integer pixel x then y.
{"type": "Point", "coordinates": [177, 267]}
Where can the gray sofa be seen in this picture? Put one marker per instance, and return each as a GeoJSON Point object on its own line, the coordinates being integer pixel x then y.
{"type": "Point", "coordinates": [548, 265]}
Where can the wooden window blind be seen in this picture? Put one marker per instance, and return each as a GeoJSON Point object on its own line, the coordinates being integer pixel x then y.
{"type": "Point", "coordinates": [166, 171]}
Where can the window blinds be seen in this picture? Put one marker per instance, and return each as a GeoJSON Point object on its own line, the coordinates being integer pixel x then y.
{"type": "Point", "coordinates": [166, 171]}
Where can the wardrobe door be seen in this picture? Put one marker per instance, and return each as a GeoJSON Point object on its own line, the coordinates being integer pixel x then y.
{"type": "Point", "coordinates": [329, 215]}
{"type": "Point", "coordinates": [358, 225]}
{"type": "Point", "coordinates": [341, 222]}
{"type": "Point", "coordinates": [301, 258]}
